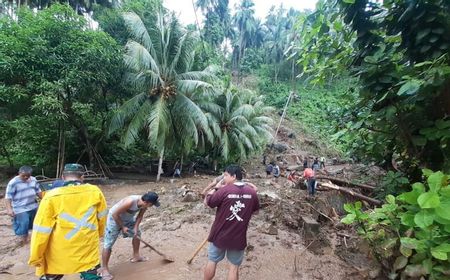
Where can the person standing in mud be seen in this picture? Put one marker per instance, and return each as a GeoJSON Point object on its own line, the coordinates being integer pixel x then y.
{"type": "Point", "coordinates": [305, 162]}
{"type": "Point", "coordinates": [322, 162]}
{"type": "Point", "coordinates": [309, 176]}
{"type": "Point", "coordinates": [67, 229]}
{"type": "Point", "coordinates": [21, 204]}
{"type": "Point", "coordinates": [269, 169]}
{"type": "Point", "coordinates": [125, 216]}
{"type": "Point", "coordinates": [236, 202]}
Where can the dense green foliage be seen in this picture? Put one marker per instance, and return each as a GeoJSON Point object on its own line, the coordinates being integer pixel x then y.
{"type": "Point", "coordinates": [409, 234]}
{"type": "Point", "coordinates": [56, 75]}
{"type": "Point", "coordinates": [371, 78]}
{"type": "Point", "coordinates": [399, 51]}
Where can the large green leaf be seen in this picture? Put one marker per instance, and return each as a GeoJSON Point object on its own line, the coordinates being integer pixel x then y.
{"type": "Point", "coordinates": [407, 219]}
{"type": "Point", "coordinates": [441, 252]}
{"type": "Point", "coordinates": [436, 181]}
{"type": "Point", "coordinates": [348, 219]}
{"type": "Point", "coordinates": [443, 211]}
{"type": "Point", "coordinates": [411, 197]}
{"type": "Point", "coordinates": [409, 88]}
{"type": "Point", "coordinates": [405, 251]}
{"type": "Point", "coordinates": [428, 200]}
{"type": "Point", "coordinates": [400, 262]}
{"type": "Point", "coordinates": [423, 218]}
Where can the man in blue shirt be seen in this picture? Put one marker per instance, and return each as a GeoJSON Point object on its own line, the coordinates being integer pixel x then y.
{"type": "Point", "coordinates": [21, 204]}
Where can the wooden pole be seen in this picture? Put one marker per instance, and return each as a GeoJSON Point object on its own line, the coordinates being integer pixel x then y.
{"type": "Point", "coordinates": [343, 181]}
{"type": "Point", "coordinates": [352, 193]}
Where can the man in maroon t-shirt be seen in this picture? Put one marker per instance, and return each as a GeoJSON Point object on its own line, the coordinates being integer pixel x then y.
{"type": "Point", "coordinates": [236, 202]}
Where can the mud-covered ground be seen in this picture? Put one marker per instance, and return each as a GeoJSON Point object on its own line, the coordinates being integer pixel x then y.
{"type": "Point", "coordinates": [279, 247]}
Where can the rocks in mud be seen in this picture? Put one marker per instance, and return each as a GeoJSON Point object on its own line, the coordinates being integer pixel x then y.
{"type": "Point", "coordinates": [172, 227]}
{"type": "Point", "coordinates": [310, 227]}
{"type": "Point", "coordinates": [280, 147]}
{"type": "Point", "coordinates": [268, 228]}
{"type": "Point", "coordinates": [190, 196]}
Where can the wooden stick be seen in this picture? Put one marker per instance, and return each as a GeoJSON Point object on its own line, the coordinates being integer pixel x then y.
{"type": "Point", "coordinates": [339, 180]}
{"type": "Point", "coordinates": [352, 193]}
{"type": "Point", "coordinates": [312, 207]}
{"type": "Point", "coordinates": [343, 234]}
{"type": "Point", "coordinates": [197, 250]}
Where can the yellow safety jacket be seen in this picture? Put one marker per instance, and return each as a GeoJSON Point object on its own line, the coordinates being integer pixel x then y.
{"type": "Point", "coordinates": [66, 232]}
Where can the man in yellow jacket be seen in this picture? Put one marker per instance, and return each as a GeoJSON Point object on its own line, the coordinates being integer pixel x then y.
{"type": "Point", "coordinates": [67, 229]}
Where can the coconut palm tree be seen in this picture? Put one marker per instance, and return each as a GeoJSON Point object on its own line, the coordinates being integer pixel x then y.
{"type": "Point", "coordinates": [240, 124]}
{"type": "Point", "coordinates": [159, 59]}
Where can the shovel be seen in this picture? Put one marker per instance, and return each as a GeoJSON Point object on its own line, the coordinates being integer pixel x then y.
{"type": "Point", "coordinates": [166, 258]}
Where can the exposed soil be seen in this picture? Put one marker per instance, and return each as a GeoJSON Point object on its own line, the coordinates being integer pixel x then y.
{"type": "Point", "coordinates": [276, 237]}
{"type": "Point", "coordinates": [292, 237]}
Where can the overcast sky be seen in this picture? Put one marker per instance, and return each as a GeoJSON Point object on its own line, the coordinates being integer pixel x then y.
{"type": "Point", "coordinates": [186, 12]}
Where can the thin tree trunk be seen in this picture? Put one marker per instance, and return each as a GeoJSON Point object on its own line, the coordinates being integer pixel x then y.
{"type": "Point", "coordinates": [347, 182]}
{"type": "Point", "coordinates": [352, 193]}
{"type": "Point", "coordinates": [181, 163]}
{"type": "Point", "coordinates": [160, 171]}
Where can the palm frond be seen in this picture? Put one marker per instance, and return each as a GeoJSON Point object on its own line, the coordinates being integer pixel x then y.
{"type": "Point", "coordinates": [139, 32]}
{"type": "Point", "coordinates": [128, 109]}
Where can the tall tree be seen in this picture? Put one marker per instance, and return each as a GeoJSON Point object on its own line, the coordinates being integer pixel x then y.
{"type": "Point", "coordinates": [240, 124]}
{"type": "Point", "coordinates": [158, 59]}
{"type": "Point", "coordinates": [246, 25]}
{"type": "Point", "coordinates": [55, 72]}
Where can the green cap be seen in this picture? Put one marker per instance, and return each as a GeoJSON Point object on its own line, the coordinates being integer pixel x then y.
{"type": "Point", "coordinates": [74, 167]}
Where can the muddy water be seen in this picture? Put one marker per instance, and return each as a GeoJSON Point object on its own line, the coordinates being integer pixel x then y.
{"type": "Point", "coordinates": [176, 229]}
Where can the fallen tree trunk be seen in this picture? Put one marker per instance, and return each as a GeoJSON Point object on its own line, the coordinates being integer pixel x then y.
{"type": "Point", "coordinates": [338, 180]}
{"type": "Point", "coordinates": [352, 193]}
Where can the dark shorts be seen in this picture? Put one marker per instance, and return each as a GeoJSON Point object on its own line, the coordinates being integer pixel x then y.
{"type": "Point", "coordinates": [268, 172]}
{"type": "Point", "coordinates": [90, 274]}
{"type": "Point", "coordinates": [23, 222]}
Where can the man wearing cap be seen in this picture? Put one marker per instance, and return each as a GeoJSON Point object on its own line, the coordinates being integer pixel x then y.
{"type": "Point", "coordinates": [67, 229]}
{"type": "Point", "coordinates": [20, 200]}
{"type": "Point", "coordinates": [125, 216]}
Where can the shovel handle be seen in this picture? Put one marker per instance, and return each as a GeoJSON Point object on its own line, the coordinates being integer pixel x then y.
{"type": "Point", "coordinates": [197, 250]}
{"type": "Point", "coordinates": [150, 246]}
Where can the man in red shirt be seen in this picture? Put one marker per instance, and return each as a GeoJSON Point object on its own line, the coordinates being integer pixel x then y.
{"type": "Point", "coordinates": [236, 202]}
{"type": "Point", "coordinates": [309, 176]}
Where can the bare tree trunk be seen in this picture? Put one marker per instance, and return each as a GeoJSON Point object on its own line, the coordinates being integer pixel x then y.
{"type": "Point", "coordinates": [347, 182]}
{"type": "Point", "coordinates": [160, 171]}
{"type": "Point", "coordinates": [181, 163]}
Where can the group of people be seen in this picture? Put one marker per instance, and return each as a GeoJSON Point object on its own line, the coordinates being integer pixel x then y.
{"type": "Point", "coordinates": [273, 169]}
{"type": "Point", "coordinates": [70, 219]}
{"type": "Point", "coordinates": [316, 164]}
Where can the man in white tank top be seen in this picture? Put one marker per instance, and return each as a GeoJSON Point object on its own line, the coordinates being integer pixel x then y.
{"type": "Point", "coordinates": [125, 216]}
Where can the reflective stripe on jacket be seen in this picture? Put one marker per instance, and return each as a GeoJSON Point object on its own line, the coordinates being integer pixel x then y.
{"type": "Point", "coordinates": [67, 229]}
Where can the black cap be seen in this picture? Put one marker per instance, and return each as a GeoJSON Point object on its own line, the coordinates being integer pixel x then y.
{"type": "Point", "coordinates": [151, 197]}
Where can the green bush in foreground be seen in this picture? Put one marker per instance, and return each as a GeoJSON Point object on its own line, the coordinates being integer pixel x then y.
{"type": "Point", "coordinates": [410, 233]}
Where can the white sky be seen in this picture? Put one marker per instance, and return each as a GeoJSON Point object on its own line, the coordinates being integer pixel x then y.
{"type": "Point", "coordinates": [184, 8]}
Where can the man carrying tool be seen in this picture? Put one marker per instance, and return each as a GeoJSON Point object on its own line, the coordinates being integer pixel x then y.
{"type": "Point", "coordinates": [67, 229]}
{"type": "Point", "coordinates": [125, 216]}
{"type": "Point", "coordinates": [236, 202]}
{"type": "Point", "coordinates": [20, 200]}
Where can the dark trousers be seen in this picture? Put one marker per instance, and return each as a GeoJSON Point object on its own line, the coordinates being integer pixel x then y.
{"type": "Point", "coordinates": [311, 186]}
